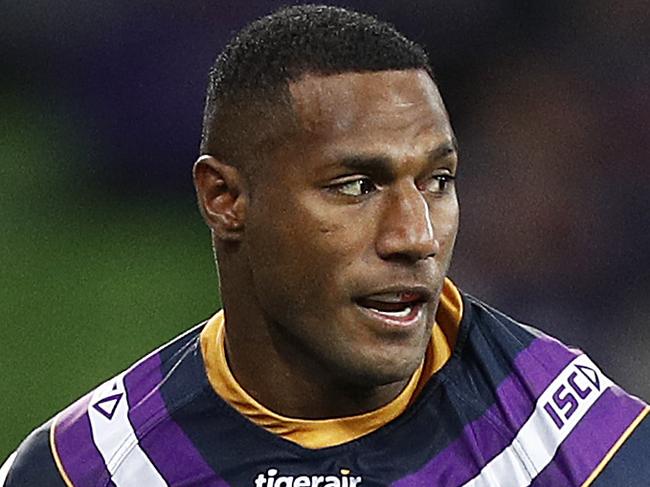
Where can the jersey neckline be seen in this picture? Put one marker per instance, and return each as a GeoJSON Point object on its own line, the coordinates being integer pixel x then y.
{"type": "Point", "coordinates": [447, 338]}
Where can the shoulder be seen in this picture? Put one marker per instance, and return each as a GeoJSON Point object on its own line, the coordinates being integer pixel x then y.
{"type": "Point", "coordinates": [496, 326]}
{"type": "Point", "coordinates": [545, 392]}
{"type": "Point", "coordinates": [509, 348]}
{"type": "Point", "coordinates": [108, 434]}
{"type": "Point", "coordinates": [627, 463]}
{"type": "Point", "coordinates": [100, 437]}
{"type": "Point", "coordinates": [33, 464]}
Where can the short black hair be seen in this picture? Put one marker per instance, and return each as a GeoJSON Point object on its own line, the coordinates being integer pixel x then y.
{"type": "Point", "coordinates": [259, 62]}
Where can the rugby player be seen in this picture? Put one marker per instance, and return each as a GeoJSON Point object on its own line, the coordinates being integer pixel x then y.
{"type": "Point", "coordinates": [343, 355]}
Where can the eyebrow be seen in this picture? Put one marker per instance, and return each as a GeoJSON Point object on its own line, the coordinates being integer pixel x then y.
{"type": "Point", "coordinates": [367, 164]}
{"type": "Point", "coordinates": [383, 164]}
{"type": "Point", "coordinates": [445, 149]}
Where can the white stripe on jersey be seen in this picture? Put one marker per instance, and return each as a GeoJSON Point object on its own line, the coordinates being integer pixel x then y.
{"type": "Point", "coordinates": [116, 440]}
{"type": "Point", "coordinates": [539, 438]}
{"type": "Point", "coordinates": [4, 471]}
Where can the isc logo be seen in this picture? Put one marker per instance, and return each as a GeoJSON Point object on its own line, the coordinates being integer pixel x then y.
{"type": "Point", "coordinates": [568, 395]}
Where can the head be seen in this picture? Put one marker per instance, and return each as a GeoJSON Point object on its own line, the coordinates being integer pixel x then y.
{"type": "Point", "coordinates": [327, 180]}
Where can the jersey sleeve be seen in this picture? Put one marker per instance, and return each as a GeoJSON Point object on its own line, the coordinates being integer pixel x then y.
{"type": "Point", "coordinates": [628, 465]}
{"type": "Point", "coordinates": [32, 465]}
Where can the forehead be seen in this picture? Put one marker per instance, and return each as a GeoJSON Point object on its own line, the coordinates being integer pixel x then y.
{"type": "Point", "coordinates": [396, 107]}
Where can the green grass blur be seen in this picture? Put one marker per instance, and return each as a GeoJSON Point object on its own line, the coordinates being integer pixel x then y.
{"type": "Point", "coordinates": [88, 282]}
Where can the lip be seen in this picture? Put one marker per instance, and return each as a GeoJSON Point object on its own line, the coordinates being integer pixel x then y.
{"type": "Point", "coordinates": [416, 297]}
{"type": "Point", "coordinates": [402, 322]}
{"type": "Point", "coordinates": [422, 293]}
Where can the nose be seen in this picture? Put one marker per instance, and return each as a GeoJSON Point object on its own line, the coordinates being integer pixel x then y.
{"type": "Point", "coordinates": [405, 230]}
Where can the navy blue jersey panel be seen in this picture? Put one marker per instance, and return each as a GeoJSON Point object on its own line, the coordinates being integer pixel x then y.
{"type": "Point", "coordinates": [630, 467]}
{"type": "Point", "coordinates": [486, 356]}
{"type": "Point", "coordinates": [34, 465]}
{"type": "Point", "coordinates": [172, 352]}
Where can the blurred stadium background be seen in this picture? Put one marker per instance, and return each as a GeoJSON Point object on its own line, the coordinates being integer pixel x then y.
{"type": "Point", "coordinates": [103, 255]}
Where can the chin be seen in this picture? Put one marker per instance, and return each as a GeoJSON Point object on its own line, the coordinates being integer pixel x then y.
{"type": "Point", "coordinates": [384, 370]}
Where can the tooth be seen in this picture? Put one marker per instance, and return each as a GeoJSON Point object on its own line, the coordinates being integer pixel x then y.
{"type": "Point", "coordinates": [396, 314]}
{"type": "Point", "coordinates": [388, 297]}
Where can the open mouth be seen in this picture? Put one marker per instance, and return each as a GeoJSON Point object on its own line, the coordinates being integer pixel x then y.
{"type": "Point", "coordinates": [403, 307]}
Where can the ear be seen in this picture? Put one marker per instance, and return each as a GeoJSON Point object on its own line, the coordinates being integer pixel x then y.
{"type": "Point", "coordinates": [221, 196]}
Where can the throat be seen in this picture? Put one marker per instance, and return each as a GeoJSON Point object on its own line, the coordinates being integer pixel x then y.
{"type": "Point", "coordinates": [281, 392]}
{"type": "Point", "coordinates": [313, 417]}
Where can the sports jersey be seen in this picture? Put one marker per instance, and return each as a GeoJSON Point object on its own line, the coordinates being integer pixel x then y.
{"type": "Point", "coordinates": [495, 403]}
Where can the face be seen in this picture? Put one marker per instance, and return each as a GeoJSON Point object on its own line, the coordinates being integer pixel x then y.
{"type": "Point", "coordinates": [351, 224]}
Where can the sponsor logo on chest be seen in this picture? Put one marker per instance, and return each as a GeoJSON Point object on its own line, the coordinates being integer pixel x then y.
{"type": "Point", "coordinates": [273, 478]}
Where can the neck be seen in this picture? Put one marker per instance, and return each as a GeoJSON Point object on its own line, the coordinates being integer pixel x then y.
{"type": "Point", "coordinates": [278, 373]}
{"type": "Point", "coordinates": [289, 383]}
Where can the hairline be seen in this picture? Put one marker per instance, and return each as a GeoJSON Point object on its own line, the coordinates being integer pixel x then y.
{"type": "Point", "coordinates": [279, 98]}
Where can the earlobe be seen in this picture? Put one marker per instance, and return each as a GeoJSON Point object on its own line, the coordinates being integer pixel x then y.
{"type": "Point", "coordinates": [221, 197]}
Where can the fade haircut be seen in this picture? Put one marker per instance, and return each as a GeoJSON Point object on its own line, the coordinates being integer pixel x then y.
{"type": "Point", "coordinates": [248, 101]}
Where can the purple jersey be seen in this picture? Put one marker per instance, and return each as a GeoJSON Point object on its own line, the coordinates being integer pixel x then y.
{"type": "Point", "coordinates": [512, 407]}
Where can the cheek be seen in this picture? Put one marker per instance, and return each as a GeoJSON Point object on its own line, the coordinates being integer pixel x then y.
{"type": "Point", "coordinates": [331, 249]}
{"type": "Point", "coordinates": [302, 249]}
{"type": "Point", "coordinates": [445, 221]}
{"type": "Point", "coordinates": [338, 231]}
{"type": "Point", "coordinates": [346, 240]}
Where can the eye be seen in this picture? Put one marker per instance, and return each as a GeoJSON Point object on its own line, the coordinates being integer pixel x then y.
{"type": "Point", "coordinates": [356, 187]}
{"type": "Point", "coordinates": [440, 183]}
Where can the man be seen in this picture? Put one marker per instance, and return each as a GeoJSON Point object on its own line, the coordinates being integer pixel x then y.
{"type": "Point", "coordinates": [343, 355]}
